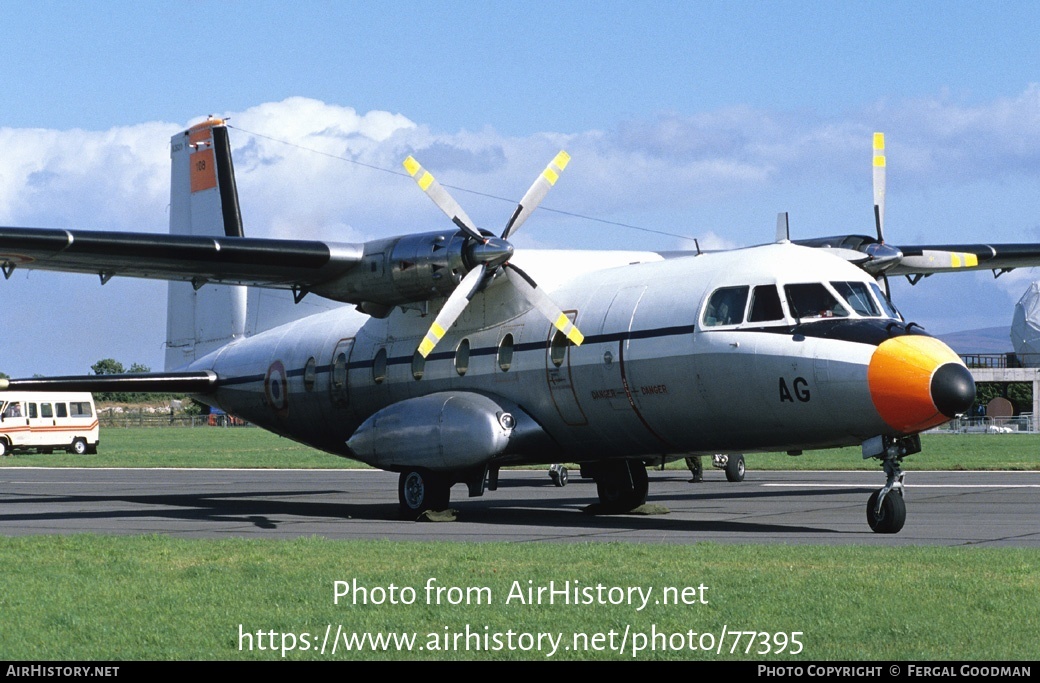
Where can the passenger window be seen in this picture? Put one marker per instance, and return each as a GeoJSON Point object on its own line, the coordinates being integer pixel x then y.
{"type": "Point", "coordinates": [379, 366]}
{"type": "Point", "coordinates": [418, 365]}
{"type": "Point", "coordinates": [765, 305]}
{"type": "Point", "coordinates": [505, 353]}
{"type": "Point", "coordinates": [309, 374]}
{"type": "Point", "coordinates": [812, 300]}
{"type": "Point", "coordinates": [339, 372]}
{"type": "Point", "coordinates": [726, 307]}
{"type": "Point", "coordinates": [80, 409]}
{"type": "Point", "coordinates": [46, 410]}
{"type": "Point", "coordinates": [858, 296]}
{"type": "Point", "coordinates": [61, 409]}
{"type": "Point", "coordinates": [462, 357]}
{"type": "Point", "coordinates": [558, 348]}
{"type": "Point", "coordinates": [32, 410]}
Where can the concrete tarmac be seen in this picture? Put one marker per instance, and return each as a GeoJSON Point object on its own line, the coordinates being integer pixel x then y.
{"type": "Point", "coordinates": [943, 508]}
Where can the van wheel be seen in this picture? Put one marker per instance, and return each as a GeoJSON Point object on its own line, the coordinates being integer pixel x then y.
{"type": "Point", "coordinates": [79, 446]}
{"type": "Point", "coordinates": [4, 448]}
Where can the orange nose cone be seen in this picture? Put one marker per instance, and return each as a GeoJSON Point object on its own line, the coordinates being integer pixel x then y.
{"type": "Point", "coordinates": [917, 382]}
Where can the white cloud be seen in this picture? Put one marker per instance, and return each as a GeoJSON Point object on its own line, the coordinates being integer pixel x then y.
{"type": "Point", "coordinates": [300, 179]}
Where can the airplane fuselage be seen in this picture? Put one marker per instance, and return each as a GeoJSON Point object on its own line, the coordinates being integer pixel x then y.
{"type": "Point", "coordinates": [653, 378]}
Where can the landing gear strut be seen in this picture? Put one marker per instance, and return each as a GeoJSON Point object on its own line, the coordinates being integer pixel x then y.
{"type": "Point", "coordinates": [622, 485]}
{"type": "Point", "coordinates": [886, 509]}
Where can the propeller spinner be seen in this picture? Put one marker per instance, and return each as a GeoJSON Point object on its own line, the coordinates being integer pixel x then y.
{"type": "Point", "coordinates": [486, 254]}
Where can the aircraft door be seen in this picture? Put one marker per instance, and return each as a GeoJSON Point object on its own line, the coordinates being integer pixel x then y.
{"type": "Point", "coordinates": [617, 324]}
{"type": "Point", "coordinates": [338, 368]}
{"type": "Point", "coordinates": [558, 375]}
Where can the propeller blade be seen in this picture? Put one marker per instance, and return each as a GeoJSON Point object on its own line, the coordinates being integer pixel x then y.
{"type": "Point", "coordinates": [444, 201]}
{"type": "Point", "coordinates": [536, 193]}
{"type": "Point", "coordinates": [452, 309]}
{"type": "Point", "coordinates": [540, 300]}
{"type": "Point", "coordinates": [879, 185]}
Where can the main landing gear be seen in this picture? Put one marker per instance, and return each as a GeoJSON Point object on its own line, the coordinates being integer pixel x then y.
{"type": "Point", "coordinates": [886, 509]}
{"type": "Point", "coordinates": [733, 464]}
{"type": "Point", "coordinates": [420, 490]}
{"type": "Point", "coordinates": [559, 475]}
{"type": "Point", "coordinates": [622, 485]}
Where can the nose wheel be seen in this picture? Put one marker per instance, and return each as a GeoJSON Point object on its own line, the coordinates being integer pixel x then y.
{"type": "Point", "coordinates": [886, 515]}
{"type": "Point", "coordinates": [886, 508]}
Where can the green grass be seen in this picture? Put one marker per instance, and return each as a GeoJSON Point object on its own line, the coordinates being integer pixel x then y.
{"type": "Point", "coordinates": [251, 447]}
{"type": "Point", "coordinates": [85, 597]}
{"type": "Point", "coordinates": [88, 597]}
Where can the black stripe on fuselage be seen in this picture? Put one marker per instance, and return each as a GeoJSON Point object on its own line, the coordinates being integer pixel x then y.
{"type": "Point", "coordinates": [871, 331]}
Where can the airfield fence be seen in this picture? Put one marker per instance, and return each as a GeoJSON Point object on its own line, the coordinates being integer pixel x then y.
{"type": "Point", "coordinates": [1001, 361]}
{"type": "Point", "coordinates": [989, 425]}
{"type": "Point", "coordinates": [146, 418]}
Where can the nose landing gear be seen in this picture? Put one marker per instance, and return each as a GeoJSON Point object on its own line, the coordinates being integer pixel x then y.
{"type": "Point", "coordinates": [886, 509]}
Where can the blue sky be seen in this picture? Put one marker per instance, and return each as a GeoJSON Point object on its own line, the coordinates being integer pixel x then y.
{"type": "Point", "coordinates": [694, 118]}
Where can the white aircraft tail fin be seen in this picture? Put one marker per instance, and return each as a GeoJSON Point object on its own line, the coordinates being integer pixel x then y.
{"type": "Point", "coordinates": [203, 201]}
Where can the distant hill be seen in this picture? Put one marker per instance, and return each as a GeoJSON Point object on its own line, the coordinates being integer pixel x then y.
{"type": "Point", "coordinates": [985, 340]}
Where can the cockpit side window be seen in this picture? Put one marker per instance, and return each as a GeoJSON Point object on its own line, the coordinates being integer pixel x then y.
{"type": "Point", "coordinates": [890, 309]}
{"type": "Point", "coordinates": [765, 305]}
{"type": "Point", "coordinates": [858, 297]}
{"type": "Point", "coordinates": [813, 300]}
{"type": "Point", "coordinates": [726, 307]}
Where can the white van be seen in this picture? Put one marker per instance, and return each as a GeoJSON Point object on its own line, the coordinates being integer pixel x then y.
{"type": "Point", "coordinates": [43, 421]}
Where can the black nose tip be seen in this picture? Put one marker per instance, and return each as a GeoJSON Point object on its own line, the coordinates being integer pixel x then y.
{"type": "Point", "coordinates": [953, 389]}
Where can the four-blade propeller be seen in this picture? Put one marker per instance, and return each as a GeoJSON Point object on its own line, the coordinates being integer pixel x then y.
{"type": "Point", "coordinates": [486, 254]}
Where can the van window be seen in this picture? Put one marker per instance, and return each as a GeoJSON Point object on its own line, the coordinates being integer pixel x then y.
{"type": "Point", "coordinates": [13, 409]}
{"type": "Point", "coordinates": [61, 410]}
{"type": "Point", "coordinates": [80, 409]}
{"type": "Point", "coordinates": [32, 410]}
{"type": "Point", "coordinates": [46, 410]}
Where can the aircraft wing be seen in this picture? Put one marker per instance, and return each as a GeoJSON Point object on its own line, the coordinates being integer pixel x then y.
{"type": "Point", "coordinates": [282, 264]}
{"type": "Point", "coordinates": [941, 258]}
{"type": "Point", "coordinates": [202, 382]}
{"type": "Point", "coordinates": [878, 258]}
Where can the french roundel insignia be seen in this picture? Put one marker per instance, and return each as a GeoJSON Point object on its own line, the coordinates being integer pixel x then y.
{"type": "Point", "coordinates": [276, 388]}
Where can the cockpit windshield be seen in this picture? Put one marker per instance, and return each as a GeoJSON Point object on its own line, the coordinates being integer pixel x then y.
{"type": "Point", "coordinates": [763, 304]}
{"type": "Point", "coordinates": [813, 300]}
{"type": "Point", "coordinates": [857, 294]}
{"type": "Point", "coordinates": [886, 303]}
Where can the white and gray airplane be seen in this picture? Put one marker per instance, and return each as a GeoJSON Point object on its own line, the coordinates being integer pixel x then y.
{"type": "Point", "coordinates": [615, 360]}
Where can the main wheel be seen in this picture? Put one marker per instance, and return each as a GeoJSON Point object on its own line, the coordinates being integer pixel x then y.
{"type": "Point", "coordinates": [79, 446]}
{"type": "Point", "coordinates": [893, 512]}
{"type": "Point", "coordinates": [420, 490]}
{"type": "Point", "coordinates": [623, 485]}
{"type": "Point", "coordinates": [4, 449]}
{"type": "Point", "coordinates": [735, 468]}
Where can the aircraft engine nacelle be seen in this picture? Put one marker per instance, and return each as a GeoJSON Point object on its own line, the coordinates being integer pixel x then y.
{"type": "Point", "coordinates": [448, 430]}
{"type": "Point", "coordinates": [403, 270]}
{"type": "Point", "coordinates": [427, 265]}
